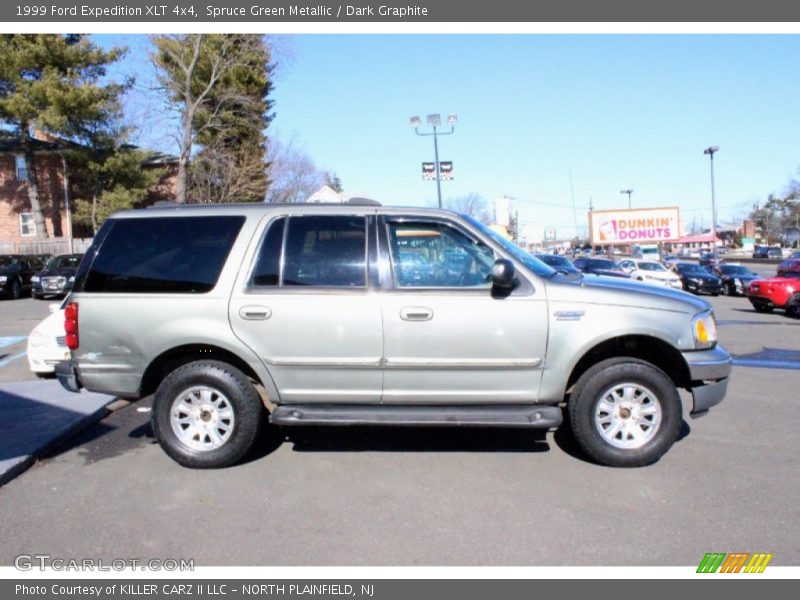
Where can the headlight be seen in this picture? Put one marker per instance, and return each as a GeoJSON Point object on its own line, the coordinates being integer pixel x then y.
{"type": "Point", "coordinates": [3, 278]}
{"type": "Point", "coordinates": [72, 279]}
{"type": "Point", "coordinates": [35, 278]}
{"type": "Point", "coordinates": [704, 328]}
{"type": "Point", "coordinates": [695, 280]}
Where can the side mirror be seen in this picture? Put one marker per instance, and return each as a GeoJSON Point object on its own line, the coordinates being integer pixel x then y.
{"type": "Point", "coordinates": [503, 272]}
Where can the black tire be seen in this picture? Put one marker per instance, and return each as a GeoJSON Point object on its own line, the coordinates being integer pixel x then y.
{"type": "Point", "coordinates": [727, 290]}
{"type": "Point", "coordinates": [16, 290]}
{"type": "Point", "coordinates": [237, 390]}
{"type": "Point", "coordinates": [590, 389]}
{"type": "Point", "coordinates": [36, 296]}
{"type": "Point", "coordinates": [761, 308]}
{"type": "Point", "coordinates": [793, 307]}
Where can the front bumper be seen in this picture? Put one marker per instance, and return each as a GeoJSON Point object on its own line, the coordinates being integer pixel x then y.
{"type": "Point", "coordinates": [703, 288]}
{"type": "Point", "coordinates": [67, 376]}
{"type": "Point", "coordinates": [709, 371]}
{"type": "Point", "coordinates": [50, 289]}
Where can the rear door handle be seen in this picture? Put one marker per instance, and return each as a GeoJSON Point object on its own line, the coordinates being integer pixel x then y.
{"type": "Point", "coordinates": [255, 313]}
{"type": "Point", "coordinates": [416, 313]}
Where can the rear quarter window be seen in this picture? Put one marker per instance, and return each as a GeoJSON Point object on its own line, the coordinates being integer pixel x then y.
{"type": "Point", "coordinates": [163, 255]}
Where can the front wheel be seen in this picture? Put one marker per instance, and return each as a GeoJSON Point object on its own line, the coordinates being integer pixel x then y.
{"type": "Point", "coordinates": [625, 412]}
{"type": "Point", "coordinates": [762, 308]}
{"type": "Point", "coordinates": [207, 414]}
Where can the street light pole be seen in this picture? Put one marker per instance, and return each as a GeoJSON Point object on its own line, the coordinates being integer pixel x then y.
{"type": "Point", "coordinates": [710, 151]}
{"type": "Point", "coordinates": [629, 192]}
{"type": "Point", "coordinates": [434, 121]}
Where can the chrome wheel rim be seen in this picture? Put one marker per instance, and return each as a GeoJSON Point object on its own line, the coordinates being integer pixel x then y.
{"type": "Point", "coordinates": [202, 418]}
{"type": "Point", "coordinates": [627, 415]}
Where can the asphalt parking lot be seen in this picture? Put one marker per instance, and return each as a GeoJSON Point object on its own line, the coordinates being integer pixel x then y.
{"type": "Point", "coordinates": [320, 496]}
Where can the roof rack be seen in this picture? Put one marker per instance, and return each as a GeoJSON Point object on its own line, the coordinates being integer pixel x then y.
{"type": "Point", "coordinates": [362, 202]}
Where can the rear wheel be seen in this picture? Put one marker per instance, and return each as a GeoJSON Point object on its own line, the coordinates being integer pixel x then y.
{"type": "Point", "coordinates": [207, 414]}
{"type": "Point", "coordinates": [625, 412]}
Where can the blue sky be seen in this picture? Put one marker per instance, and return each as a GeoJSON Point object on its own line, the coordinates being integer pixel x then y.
{"type": "Point", "coordinates": [618, 111]}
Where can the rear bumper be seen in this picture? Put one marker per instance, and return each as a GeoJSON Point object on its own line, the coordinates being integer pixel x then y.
{"type": "Point", "coordinates": [67, 376]}
{"type": "Point", "coordinates": [710, 372]}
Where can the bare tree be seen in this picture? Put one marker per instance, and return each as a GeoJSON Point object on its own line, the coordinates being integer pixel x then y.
{"type": "Point", "coordinates": [471, 204]}
{"type": "Point", "coordinates": [221, 174]}
{"type": "Point", "coordinates": [292, 173]}
{"type": "Point", "coordinates": [190, 69]}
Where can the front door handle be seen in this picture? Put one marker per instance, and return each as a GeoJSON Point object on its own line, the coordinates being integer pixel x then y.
{"type": "Point", "coordinates": [416, 313]}
{"type": "Point", "coordinates": [255, 313]}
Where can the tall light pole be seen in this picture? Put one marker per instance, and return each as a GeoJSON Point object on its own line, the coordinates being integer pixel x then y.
{"type": "Point", "coordinates": [710, 151]}
{"type": "Point", "coordinates": [629, 192]}
{"type": "Point", "coordinates": [435, 121]}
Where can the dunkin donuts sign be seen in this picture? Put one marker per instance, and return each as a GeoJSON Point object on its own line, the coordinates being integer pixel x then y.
{"type": "Point", "coordinates": [644, 225]}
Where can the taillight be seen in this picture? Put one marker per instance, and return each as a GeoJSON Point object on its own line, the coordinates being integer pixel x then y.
{"type": "Point", "coordinates": [71, 325]}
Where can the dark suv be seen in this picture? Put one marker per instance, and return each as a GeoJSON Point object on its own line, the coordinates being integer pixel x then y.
{"type": "Point", "coordinates": [57, 277]}
{"type": "Point", "coordinates": [767, 252]}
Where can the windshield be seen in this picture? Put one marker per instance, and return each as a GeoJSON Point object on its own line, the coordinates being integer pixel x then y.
{"type": "Point", "coordinates": [690, 268]}
{"type": "Point", "coordinates": [603, 264]}
{"type": "Point", "coordinates": [530, 262]}
{"type": "Point", "coordinates": [67, 261]}
{"type": "Point", "coordinates": [651, 266]}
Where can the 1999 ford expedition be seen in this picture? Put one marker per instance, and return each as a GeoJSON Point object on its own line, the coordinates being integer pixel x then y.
{"type": "Point", "coordinates": [360, 314]}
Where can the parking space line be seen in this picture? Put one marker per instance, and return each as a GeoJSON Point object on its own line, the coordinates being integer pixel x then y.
{"type": "Point", "coordinates": [11, 340]}
{"type": "Point", "coordinates": [766, 364]}
{"type": "Point", "coordinates": [5, 361]}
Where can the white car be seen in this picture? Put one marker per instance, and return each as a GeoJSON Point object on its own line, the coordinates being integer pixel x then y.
{"type": "Point", "coordinates": [650, 271]}
{"type": "Point", "coordinates": [47, 343]}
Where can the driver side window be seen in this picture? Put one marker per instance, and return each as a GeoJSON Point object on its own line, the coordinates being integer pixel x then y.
{"type": "Point", "coordinates": [429, 254]}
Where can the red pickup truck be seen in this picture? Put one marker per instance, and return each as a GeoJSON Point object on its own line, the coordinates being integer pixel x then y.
{"type": "Point", "coordinates": [782, 291]}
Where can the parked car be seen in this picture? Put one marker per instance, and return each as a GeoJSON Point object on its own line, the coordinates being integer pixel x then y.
{"type": "Point", "coordinates": [709, 260]}
{"type": "Point", "coordinates": [781, 291]}
{"type": "Point", "coordinates": [214, 309]}
{"type": "Point", "coordinates": [47, 343]}
{"type": "Point", "coordinates": [735, 278]}
{"type": "Point", "coordinates": [789, 264]}
{"type": "Point", "coordinates": [767, 252]}
{"type": "Point", "coordinates": [600, 266]}
{"type": "Point", "coordinates": [697, 279]}
{"type": "Point", "coordinates": [560, 263]}
{"type": "Point", "coordinates": [670, 259]}
{"type": "Point", "coordinates": [650, 271]}
{"type": "Point", "coordinates": [57, 276]}
{"type": "Point", "coordinates": [15, 274]}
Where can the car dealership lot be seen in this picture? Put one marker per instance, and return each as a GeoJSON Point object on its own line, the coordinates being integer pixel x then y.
{"type": "Point", "coordinates": [320, 496]}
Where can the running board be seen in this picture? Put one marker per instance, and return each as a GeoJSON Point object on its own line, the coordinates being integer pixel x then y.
{"type": "Point", "coordinates": [515, 415]}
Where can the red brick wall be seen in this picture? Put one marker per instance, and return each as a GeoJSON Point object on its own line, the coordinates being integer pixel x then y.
{"type": "Point", "coordinates": [14, 196]}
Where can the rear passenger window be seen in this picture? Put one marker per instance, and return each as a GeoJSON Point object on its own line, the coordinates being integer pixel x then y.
{"type": "Point", "coordinates": [326, 251]}
{"type": "Point", "coordinates": [268, 267]}
{"type": "Point", "coordinates": [163, 255]}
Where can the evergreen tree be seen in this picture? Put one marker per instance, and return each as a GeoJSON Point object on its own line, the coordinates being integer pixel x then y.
{"type": "Point", "coordinates": [52, 83]}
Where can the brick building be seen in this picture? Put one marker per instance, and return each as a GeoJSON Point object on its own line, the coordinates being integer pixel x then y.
{"type": "Point", "coordinates": [17, 227]}
{"type": "Point", "coordinates": [16, 218]}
